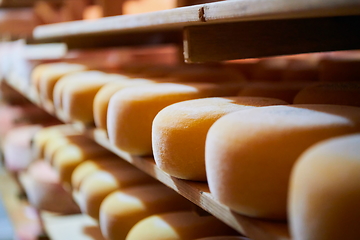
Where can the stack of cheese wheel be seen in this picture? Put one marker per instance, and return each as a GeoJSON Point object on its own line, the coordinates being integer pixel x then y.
{"type": "Point", "coordinates": [341, 93]}
{"type": "Point", "coordinates": [45, 76]}
{"type": "Point", "coordinates": [122, 209]}
{"type": "Point", "coordinates": [325, 191]}
{"type": "Point", "coordinates": [178, 226]}
{"type": "Point", "coordinates": [250, 153]}
{"type": "Point", "coordinates": [132, 110]}
{"type": "Point", "coordinates": [100, 183]}
{"type": "Point", "coordinates": [340, 68]}
{"type": "Point", "coordinates": [179, 132]}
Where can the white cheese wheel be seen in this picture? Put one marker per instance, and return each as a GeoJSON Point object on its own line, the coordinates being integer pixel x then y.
{"type": "Point", "coordinates": [132, 110]}
{"type": "Point", "coordinates": [95, 187]}
{"type": "Point", "coordinates": [122, 209]}
{"type": "Point", "coordinates": [340, 93]}
{"type": "Point", "coordinates": [250, 153]}
{"type": "Point", "coordinates": [90, 166]}
{"type": "Point", "coordinates": [102, 98]}
{"type": "Point", "coordinates": [325, 191]}
{"type": "Point", "coordinates": [179, 132]}
{"type": "Point", "coordinates": [178, 226]}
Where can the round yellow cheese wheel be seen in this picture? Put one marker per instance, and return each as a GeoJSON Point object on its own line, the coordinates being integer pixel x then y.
{"type": "Point", "coordinates": [179, 132]}
{"type": "Point", "coordinates": [95, 187]}
{"type": "Point", "coordinates": [102, 98]}
{"type": "Point", "coordinates": [122, 209]}
{"type": "Point", "coordinates": [250, 153]}
{"type": "Point", "coordinates": [132, 110]}
{"type": "Point", "coordinates": [178, 226]}
{"type": "Point", "coordinates": [324, 191]}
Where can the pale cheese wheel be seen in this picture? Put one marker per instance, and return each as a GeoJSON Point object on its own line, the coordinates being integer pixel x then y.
{"type": "Point", "coordinates": [95, 187]}
{"type": "Point", "coordinates": [250, 153]}
{"type": "Point", "coordinates": [42, 136]}
{"type": "Point", "coordinates": [102, 98]}
{"type": "Point", "coordinates": [285, 91]}
{"type": "Point", "coordinates": [90, 166]}
{"type": "Point", "coordinates": [122, 209]}
{"type": "Point", "coordinates": [324, 191]}
{"type": "Point", "coordinates": [132, 110]}
{"type": "Point", "coordinates": [178, 226]}
{"type": "Point", "coordinates": [68, 157]}
{"type": "Point", "coordinates": [179, 132]}
{"type": "Point", "coordinates": [44, 190]}
{"type": "Point", "coordinates": [78, 96]}
{"type": "Point", "coordinates": [340, 93]}
{"type": "Point", "coordinates": [49, 73]}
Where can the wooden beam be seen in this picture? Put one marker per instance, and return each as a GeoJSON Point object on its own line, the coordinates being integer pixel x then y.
{"type": "Point", "coordinates": [216, 42]}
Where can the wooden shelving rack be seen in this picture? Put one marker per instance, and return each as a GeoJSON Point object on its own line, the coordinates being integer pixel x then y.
{"type": "Point", "coordinates": [213, 32]}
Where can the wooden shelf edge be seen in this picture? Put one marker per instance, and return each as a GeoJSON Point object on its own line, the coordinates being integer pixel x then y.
{"type": "Point", "coordinates": [217, 12]}
{"type": "Point", "coordinates": [196, 192]}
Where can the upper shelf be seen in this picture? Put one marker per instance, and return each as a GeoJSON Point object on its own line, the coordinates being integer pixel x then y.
{"type": "Point", "coordinates": [218, 12]}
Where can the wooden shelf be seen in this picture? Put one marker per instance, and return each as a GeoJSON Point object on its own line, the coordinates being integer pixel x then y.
{"type": "Point", "coordinates": [196, 192]}
{"type": "Point", "coordinates": [210, 23]}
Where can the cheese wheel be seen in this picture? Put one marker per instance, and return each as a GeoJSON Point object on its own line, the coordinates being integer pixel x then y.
{"type": "Point", "coordinates": [42, 136]}
{"type": "Point", "coordinates": [90, 166]}
{"type": "Point", "coordinates": [179, 132]}
{"type": "Point", "coordinates": [95, 187]}
{"type": "Point", "coordinates": [285, 91]}
{"type": "Point", "coordinates": [325, 191]}
{"type": "Point", "coordinates": [341, 93]}
{"type": "Point", "coordinates": [56, 142]}
{"type": "Point", "coordinates": [302, 69]}
{"type": "Point", "coordinates": [250, 153]}
{"type": "Point", "coordinates": [102, 98]}
{"type": "Point", "coordinates": [44, 190]}
{"type": "Point", "coordinates": [270, 69]}
{"type": "Point", "coordinates": [132, 110]}
{"type": "Point", "coordinates": [122, 209]}
{"type": "Point", "coordinates": [78, 96]}
{"type": "Point", "coordinates": [178, 226]}
{"type": "Point", "coordinates": [44, 76]}
{"type": "Point", "coordinates": [68, 157]}
{"type": "Point", "coordinates": [17, 147]}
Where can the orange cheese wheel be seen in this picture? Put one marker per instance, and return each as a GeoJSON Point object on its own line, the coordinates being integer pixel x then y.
{"type": "Point", "coordinates": [250, 153]}
{"type": "Point", "coordinates": [325, 191]}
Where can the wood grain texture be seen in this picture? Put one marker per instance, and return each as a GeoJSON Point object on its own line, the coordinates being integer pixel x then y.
{"type": "Point", "coordinates": [223, 11]}
{"type": "Point", "coordinates": [265, 38]}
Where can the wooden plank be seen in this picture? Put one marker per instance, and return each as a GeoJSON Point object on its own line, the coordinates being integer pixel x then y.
{"type": "Point", "coordinates": [252, 39]}
{"type": "Point", "coordinates": [217, 12]}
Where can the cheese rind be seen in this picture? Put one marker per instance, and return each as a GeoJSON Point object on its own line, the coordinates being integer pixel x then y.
{"type": "Point", "coordinates": [178, 226]}
{"type": "Point", "coordinates": [131, 111]}
{"type": "Point", "coordinates": [179, 132]}
{"type": "Point", "coordinates": [122, 209]}
{"type": "Point", "coordinates": [250, 153]}
{"type": "Point", "coordinates": [325, 191]}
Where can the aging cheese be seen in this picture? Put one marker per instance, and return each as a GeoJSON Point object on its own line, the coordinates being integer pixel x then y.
{"type": "Point", "coordinates": [98, 185]}
{"type": "Point", "coordinates": [102, 98]}
{"type": "Point", "coordinates": [132, 110]}
{"type": "Point", "coordinates": [341, 93]}
{"type": "Point", "coordinates": [122, 209]}
{"type": "Point", "coordinates": [325, 191]}
{"type": "Point", "coordinates": [250, 153]}
{"type": "Point", "coordinates": [179, 132]}
{"type": "Point", "coordinates": [178, 226]}
{"type": "Point", "coordinates": [90, 166]}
